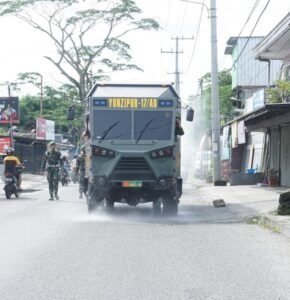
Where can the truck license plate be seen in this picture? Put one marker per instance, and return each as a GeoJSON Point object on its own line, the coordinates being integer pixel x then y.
{"type": "Point", "coordinates": [131, 184]}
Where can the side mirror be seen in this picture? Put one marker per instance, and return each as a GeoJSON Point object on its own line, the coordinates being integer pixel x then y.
{"type": "Point", "coordinates": [71, 113]}
{"type": "Point", "coordinates": [189, 114]}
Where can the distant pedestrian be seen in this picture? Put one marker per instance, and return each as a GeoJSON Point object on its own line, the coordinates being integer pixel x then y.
{"type": "Point", "coordinates": [81, 171]}
{"type": "Point", "coordinates": [52, 162]}
{"type": "Point", "coordinates": [74, 168]}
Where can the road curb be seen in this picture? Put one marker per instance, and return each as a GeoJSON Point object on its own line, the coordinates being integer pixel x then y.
{"type": "Point", "coordinates": [275, 225]}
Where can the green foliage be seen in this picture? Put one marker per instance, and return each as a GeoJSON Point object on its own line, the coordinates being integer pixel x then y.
{"type": "Point", "coordinates": [225, 94]}
{"type": "Point", "coordinates": [55, 105]}
{"type": "Point", "coordinates": [279, 94]}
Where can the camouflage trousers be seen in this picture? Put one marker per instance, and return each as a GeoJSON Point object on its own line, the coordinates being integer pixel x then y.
{"type": "Point", "coordinates": [83, 183]}
{"type": "Point", "coordinates": [53, 179]}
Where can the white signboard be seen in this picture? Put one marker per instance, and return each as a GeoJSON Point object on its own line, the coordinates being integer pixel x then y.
{"type": "Point", "coordinates": [45, 129]}
{"type": "Point", "coordinates": [50, 131]}
{"type": "Point", "coordinates": [241, 132]}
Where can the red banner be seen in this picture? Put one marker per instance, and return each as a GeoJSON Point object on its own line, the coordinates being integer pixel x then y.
{"type": "Point", "coordinates": [5, 142]}
{"type": "Point", "coordinates": [40, 129]}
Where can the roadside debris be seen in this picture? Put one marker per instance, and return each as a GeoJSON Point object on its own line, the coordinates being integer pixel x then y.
{"type": "Point", "coordinates": [284, 204]}
{"type": "Point", "coordinates": [219, 203]}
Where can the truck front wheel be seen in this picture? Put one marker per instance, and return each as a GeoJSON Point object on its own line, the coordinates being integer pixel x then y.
{"type": "Point", "coordinates": [110, 204]}
{"type": "Point", "coordinates": [170, 206]}
{"type": "Point", "coordinates": [156, 205]}
{"type": "Point", "coordinates": [94, 200]}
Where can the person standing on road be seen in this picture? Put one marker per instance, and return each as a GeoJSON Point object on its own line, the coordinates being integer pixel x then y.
{"type": "Point", "coordinates": [81, 172]}
{"type": "Point", "coordinates": [52, 162]}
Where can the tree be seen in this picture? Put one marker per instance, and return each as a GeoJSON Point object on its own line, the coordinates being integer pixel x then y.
{"type": "Point", "coordinates": [88, 41]}
{"type": "Point", "coordinates": [55, 104]}
{"type": "Point", "coordinates": [225, 94]}
{"type": "Point", "coordinates": [280, 93]}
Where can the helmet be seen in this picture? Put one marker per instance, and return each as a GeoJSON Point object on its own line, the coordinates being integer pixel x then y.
{"type": "Point", "coordinates": [51, 143]}
{"type": "Point", "coordinates": [10, 151]}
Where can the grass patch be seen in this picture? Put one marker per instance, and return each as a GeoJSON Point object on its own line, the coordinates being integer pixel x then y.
{"type": "Point", "coordinates": [264, 223]}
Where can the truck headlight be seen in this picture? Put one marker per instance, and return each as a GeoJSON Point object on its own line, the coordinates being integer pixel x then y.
{"type": "Point", "coordinates": [100, 181]}
{"type": "Point", "coordinates": [103, 152]}
{"type": "Point", "coordinates": [160, 153]}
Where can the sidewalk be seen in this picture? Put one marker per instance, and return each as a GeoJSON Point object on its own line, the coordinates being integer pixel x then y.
{"type": "Point", "coordinates": [251, 201]}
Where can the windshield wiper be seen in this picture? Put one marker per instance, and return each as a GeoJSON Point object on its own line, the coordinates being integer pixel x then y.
{"type": "Point", "coordinates": [106, 132]}
{"type": "Point", "coordinates": [143, 130]}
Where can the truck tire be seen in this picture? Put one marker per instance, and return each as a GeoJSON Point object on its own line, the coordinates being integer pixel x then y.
{"type": "Point", "coordinates": [109, 204]}
{"type": "Point", "coordinates": [170, 206]}
{"type": "Point", "coordinates": [156, 206]}
{"type": "Point", "coordinates": [92, 205]}
{"type": "Point", "coordinates": [94, 200]}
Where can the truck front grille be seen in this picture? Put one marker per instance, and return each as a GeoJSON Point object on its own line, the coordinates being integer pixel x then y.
{"type": "Point", "coordinates": [132, 168]}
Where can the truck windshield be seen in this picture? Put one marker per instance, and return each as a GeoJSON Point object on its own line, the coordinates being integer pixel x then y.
{"type": "Point", "coordinates": [159, 128]}
{"type": "Point", "coordinates": [103, 119]}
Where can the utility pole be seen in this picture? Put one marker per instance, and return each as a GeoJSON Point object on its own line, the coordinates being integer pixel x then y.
{"type": "Point", "coordinates": [215, 115]}
{"type": "Point", "coordinates": [176, 52]}
{"type": "Point", "coordinates": [215, 95]}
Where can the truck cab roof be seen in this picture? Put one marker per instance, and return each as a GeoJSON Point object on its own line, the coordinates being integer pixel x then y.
{"type": "Point", "coordinates": [111, 90]}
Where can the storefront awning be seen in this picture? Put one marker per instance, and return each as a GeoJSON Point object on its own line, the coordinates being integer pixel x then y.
{"type": "Point", "coordinates": [275, 46]}
{"type": "Point", "coordinates": [268, 116]}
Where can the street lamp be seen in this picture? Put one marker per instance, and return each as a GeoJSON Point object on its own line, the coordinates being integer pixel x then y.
{"type": "Point", "coordinates": [214, 90]}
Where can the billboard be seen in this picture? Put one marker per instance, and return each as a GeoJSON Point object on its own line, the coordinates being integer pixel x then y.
{"type": "Point", "coordinates": [9, 110]}
{"type": "Point", "coordinates": [45, 129]}
{"type": "Point", "coordinates": [5, 142]}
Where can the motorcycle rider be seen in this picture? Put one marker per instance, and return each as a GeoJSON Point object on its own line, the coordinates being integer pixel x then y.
{"type": "Point", "coordinates": [13, 166]}
{"type": "Point", "coordinates": [53, 162]}
{"type": "Point", "coordinates": [81, 169]}
{"type": "Point", "coordinates": [65, 167]}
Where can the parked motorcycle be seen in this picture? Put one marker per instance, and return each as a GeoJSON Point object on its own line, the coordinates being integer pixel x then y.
{"type": "Point", "coordinates": [10, 187]}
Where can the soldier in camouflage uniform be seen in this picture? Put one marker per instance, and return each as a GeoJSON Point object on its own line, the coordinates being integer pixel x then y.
{"type": "Point", "coordinates": [81, 172]}
{"type": "Point", "coordinates": [52, 162]}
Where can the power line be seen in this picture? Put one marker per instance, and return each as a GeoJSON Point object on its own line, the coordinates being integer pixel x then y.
{"type": "Point", "coordinates": [249, 17]}
{"type": "Point", "coordinates": [167, 21]}
{"type": "Point", "coordinates": [196, 39]}
{"type": "Point", "coordinates": [257, 22]}
{"type": "Point", "coordinates": [176, 52]}
{"type": "Point", "coordinates": [182, 19]}
{"type": "Point", "coordinates": [246, 22]}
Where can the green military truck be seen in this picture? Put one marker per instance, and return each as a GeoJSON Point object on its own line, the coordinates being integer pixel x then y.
{"type": "Point", "coordinates": [135, 148]}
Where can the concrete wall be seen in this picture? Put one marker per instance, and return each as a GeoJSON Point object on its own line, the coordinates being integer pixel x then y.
{"type": "Point", "coordinates": [248, 71]}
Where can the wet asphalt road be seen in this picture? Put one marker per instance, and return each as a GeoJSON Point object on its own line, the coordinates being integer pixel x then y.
{"type": "Point", "coordinates": [55, 250]}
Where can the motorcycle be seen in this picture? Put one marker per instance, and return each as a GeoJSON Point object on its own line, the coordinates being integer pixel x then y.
{"type": "Point", "coordinates": [64, 176]}
{"type": "Point", "coordinates": [10, 187]}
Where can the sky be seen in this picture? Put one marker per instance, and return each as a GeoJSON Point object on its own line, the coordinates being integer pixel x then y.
{"type": "Point", "coordinates": [23, 50]}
